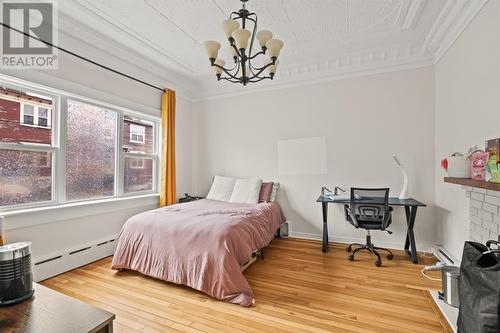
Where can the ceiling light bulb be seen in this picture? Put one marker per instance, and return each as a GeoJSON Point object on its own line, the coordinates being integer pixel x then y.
{"type": "Point", "coordinates": [263, 37]}
{"type": "Point", "coordinates": [212, 48]}
{"type": "Point", "coordinates": [221, 63]}
{"type": "Point", "coordinates": [229, 26]}
{"type": "Point", "coordinates": [274, 47]}
{"type": "Point", "coordinates": [241, 37]}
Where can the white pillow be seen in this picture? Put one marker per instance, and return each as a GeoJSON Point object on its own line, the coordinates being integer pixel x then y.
{"type": "Point", "coordinates": [221, 189]}
{"type": "Point", "coordinates": [246, 191]}
{"type": "Point", "coordinates": [276, 187]}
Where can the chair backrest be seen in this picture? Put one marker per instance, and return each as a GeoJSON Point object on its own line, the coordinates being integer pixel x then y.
{"type": "Point", "coordinates": [369, 203]}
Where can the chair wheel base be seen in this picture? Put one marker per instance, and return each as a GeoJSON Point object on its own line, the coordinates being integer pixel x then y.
{"type": "Point", "coordinates": [378, 263]}
{"type": "Point", "coordinates": [390, 257]}
{"type": "Point", "coordinates": [350, 258]}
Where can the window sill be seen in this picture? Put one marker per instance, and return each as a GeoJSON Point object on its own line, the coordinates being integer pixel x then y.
{"type": "Point", "coordinates": [23, 218]}
{"type": "Point", "coordinates": [36, 126]}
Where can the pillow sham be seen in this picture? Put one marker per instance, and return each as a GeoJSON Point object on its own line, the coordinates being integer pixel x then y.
{"type": "Point", "coordinates": [221, 189]}
{"type": "Point", "coordinates": [246, 191]}
{"type": "Point", "coordinates": [265, 192]}
{"type": "Point", "coordinates": [276, 187]}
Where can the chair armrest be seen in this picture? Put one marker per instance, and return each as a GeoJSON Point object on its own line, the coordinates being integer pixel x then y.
{"type": "Point", "coordinates": [350, 216]}
{"type": "Point", "coordinates": [346, 211]}
{"type": "Point", "coordinates": [386, 218]}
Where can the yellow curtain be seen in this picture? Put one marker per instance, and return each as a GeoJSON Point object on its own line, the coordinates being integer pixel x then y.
{"type": "Point", "coordinates": [168, 191]}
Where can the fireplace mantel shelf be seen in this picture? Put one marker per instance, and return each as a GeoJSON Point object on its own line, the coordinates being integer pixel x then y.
{"type": "Point", "coordinates": [473, 183]}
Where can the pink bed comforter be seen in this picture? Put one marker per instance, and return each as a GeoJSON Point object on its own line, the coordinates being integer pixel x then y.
{"type": "Point", "coordinates": [201, 244]}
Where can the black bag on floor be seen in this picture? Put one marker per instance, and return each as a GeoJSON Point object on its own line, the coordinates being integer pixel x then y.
{"type": "Point", "coordinates": [479, 289]}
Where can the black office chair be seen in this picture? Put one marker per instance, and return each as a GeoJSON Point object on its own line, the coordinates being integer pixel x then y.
{"type": "Point", "coordinates": [369, 209]}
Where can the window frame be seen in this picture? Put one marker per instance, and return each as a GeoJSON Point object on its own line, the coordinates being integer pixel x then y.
{"type": "Point", "coordinates": [58, 126]}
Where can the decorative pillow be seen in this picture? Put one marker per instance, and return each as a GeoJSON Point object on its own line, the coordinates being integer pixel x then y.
{"type": "Point", "coordinates": [221, 189]}
{"type": "Point", "coordinates": [265, 192]}
{"type": "Point", "coordinates": [246, 191]}
{"type": "Point", "coordinates": [276, 187]}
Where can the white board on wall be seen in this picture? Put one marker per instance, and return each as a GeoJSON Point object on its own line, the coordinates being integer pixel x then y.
{"type": "Point", "coordinates": [305, 156]}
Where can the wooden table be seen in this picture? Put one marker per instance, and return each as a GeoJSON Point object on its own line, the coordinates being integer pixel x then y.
{"type": "Point", "coordinates": [50, 311]}
{"type": "Point", "coordinates": [410, 206]}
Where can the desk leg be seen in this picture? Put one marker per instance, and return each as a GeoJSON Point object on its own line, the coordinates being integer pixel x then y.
{"type": "Point", "coordinates": [324, 206]}
{"type": "Point", "coordinates": [410, 246]}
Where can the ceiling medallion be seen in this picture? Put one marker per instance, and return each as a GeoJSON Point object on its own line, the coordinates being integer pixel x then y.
{"type": "Point", "coordinates": [244, 71]}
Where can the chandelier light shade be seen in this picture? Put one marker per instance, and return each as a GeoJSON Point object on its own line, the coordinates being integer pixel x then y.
{"type": "Point", "coordinates": [241, 40]}
{"type": "Point", "coordinates": [212, 47]}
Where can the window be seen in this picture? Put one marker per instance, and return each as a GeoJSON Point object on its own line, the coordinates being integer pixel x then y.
{"type": "Point", "coordinates": [43, 117]}
{"type": "Point", "coordinates": [26, 154]}
{"type": "Point", "coordinates": [22, 179]}
{"type": "Point", "coordinates": [139, 159]}
{"type": "Point", "coordinates": [137, 163]}
{"type": "Point", "coordinates": [137, 133]}
{"type": "Point", "coordinates": [90, 151]}
{"type": "Point", "coordinates": [35, 115]}
{"type": "Point", "coordinates": [28, 114]}
{"type": "Point", "coordinates": [138, 174]}
{"type": "Point", "coordinates": [44, 161]}
{"type": "Point", "coordinates": [91, 162]}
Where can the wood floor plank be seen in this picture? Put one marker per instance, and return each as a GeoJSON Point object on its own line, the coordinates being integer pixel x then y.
{"type": "Point", "coordinates": [297, 288]}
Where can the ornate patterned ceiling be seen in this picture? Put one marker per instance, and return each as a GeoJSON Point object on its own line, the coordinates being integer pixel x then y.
{"type": "Point", "coordinates": [327, 37]}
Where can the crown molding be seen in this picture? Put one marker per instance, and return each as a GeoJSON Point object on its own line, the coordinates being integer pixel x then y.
{"type": "Point", "coordinates": [312, 77]}
{"type": "Point", "coordinates": [452, 21]}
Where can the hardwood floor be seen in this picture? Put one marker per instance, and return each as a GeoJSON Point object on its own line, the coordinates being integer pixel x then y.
{"type": "Point", "coordinates": [297, 289]}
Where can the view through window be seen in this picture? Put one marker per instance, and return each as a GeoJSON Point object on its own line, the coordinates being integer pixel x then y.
{"type": "Point", "coordinates": [138, 150]}
{"type": "Point", "coordinates": [26, 168]}
{"type": "Point", "coordinates": [91, 164]}
{"type": "Point", "coordinates": [90, 151]}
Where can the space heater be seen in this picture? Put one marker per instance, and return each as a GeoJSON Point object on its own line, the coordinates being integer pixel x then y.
{"type": "Point", "coordinates": [16, 273]}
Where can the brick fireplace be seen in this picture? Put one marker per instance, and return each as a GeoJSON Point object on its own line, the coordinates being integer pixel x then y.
{"type": "Point", "coordinates": [484, 213]}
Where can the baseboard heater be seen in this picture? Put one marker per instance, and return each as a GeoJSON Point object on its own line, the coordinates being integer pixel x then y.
{"type": "Point", "coordinates": [68, 259]}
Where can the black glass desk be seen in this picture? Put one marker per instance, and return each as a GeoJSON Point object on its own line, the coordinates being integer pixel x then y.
{"type": "Point", "coordinates": [410, 206]}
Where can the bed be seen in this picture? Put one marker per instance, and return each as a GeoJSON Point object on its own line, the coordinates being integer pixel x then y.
{"type": "Point", "coordinates": [201, 244]}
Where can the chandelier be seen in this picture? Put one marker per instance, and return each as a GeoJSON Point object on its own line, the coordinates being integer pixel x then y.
{"type": "Point", "coordinates": [244, 71]}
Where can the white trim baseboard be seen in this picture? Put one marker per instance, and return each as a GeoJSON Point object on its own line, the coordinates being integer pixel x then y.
{"type": "Point", "coordinates": [427, 248]}
{"type": "Point", "coordinates": [65, 260]}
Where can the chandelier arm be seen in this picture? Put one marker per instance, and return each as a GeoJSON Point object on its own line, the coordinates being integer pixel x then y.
{"type": "Point", "coordinates": [226, 71]}
{"type": "Point", "coordinates": [238, 16]}
{"type": "Point", "coordinates": [228, 79]}
{"type": "Point", "coordinates": [232, 69]}
{"type": "Point", "coordinates": [256, 54]}
{"type": "Point", "coordinates": [253, 34]}
{"type": "Point", "coordinates": [263, 67]}
{"type": "Point", "coordinates": [260, 79]}
{"type": "Point", "coordinates": [233, 45]}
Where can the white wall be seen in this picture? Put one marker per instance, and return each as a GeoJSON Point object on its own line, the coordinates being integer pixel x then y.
{"type": "Point", "coordinates": [467, 110]}
{"type": "Point", "coordinates": [65, 228]}
{"type": "Point", "coordinates": [365, 120]}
